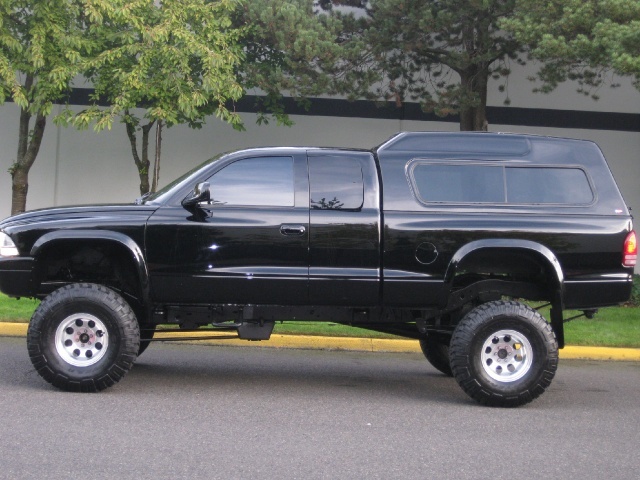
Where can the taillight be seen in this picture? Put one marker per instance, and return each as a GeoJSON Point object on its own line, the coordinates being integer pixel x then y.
{"type": "Point", "coordinates": [630, 250]}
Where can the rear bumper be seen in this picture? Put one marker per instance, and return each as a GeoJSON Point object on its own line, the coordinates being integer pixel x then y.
{"type": "Point", "coordinates": [16, 276]}
{"type": "Point", "coordinates": [594, 291]}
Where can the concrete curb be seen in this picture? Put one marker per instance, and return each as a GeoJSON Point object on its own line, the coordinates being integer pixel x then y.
{"type": "Point", "coordinates": [353, 344]}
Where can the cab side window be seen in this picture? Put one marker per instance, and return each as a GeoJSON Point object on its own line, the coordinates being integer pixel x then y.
{"type": "Point", "coordinates": [335, 183]}
{"type": "Point", "coordinates": [261, 181]}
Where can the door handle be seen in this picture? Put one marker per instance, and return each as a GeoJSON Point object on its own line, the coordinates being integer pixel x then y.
{"type": "Point", "coordinates": [292, 230]}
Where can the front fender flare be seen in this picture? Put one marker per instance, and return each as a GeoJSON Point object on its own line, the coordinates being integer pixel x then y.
{"type": "Point", "coordinates": [108, 235]}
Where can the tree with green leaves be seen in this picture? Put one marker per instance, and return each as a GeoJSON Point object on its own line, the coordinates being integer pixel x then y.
{"type": "Point", "coordinates": [175, 59]}
{"type": "Point", "coordinates": [184, 60]}
{"type": "Point", "coordinates": [41, 47]}
{"type": "Point", "coordinates": [290, 49]}
{"type": "Point", "coordinates": [441, 53]}
{"type": "Point", "coordinates": [580, 40]}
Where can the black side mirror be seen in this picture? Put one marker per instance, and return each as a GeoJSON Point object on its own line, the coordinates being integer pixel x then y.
{"type": "Point", "coordinates": [201, 193]}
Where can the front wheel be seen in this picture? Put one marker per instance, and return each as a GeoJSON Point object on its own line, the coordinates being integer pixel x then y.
{"type": "Point", "coordinates": [146, 335]}
{"type": "Point", "coordinates": [83, 338]}
{"type": "Point", "coordinates": [503, 354]}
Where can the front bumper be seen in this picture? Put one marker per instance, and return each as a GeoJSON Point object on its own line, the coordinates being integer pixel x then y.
{"type": "Point", "coordinates": [16, 276]}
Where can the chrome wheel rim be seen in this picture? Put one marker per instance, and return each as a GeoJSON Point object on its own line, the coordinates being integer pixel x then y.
{"type": "Point", "coordinates": [81, 339]}
{"type": "Point", "coordinates": [507, 356]}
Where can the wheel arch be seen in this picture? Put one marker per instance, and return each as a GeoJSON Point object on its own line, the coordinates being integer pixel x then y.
{"type": "Point", "coordinates": [468, 257]}
{"type": "Point", "coordinates": [492, 268]}
{"type": "Point", "coordinates": [548, 287]}
{"type": "Point", "coordinates": [45, 245]}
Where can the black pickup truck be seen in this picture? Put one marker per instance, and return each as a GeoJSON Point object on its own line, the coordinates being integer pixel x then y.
{"type": "Point", "coordinates": [439, 237]}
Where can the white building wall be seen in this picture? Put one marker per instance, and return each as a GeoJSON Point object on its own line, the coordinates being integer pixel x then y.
{"type": "Point", "coordinates": [85, 167]}
{"type": "Point", "coordinates": [622, 99]}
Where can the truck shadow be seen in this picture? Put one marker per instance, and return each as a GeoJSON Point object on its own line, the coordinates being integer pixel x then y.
{"type": "Point", "coordinates": [262, 371]}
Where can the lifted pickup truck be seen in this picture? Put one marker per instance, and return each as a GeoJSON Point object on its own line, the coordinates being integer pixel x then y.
{"type": "Point", "coordinates": [433, 236]}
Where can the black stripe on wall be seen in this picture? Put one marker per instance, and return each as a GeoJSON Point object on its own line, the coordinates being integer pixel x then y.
{"type": "Point", "coordinates": [529, 117]}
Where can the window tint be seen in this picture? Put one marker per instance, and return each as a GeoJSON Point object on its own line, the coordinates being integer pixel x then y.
{"type": "Point", "coordinates": [264, 181]}
{"type": "Point", "coordinates": [548, 185]}
{"type": "Point", "coordinates": [336, 183]}
{"type": "Point", "coordinates": [500, 184]}
{"type": "Point", "coordinates": [459, 183]}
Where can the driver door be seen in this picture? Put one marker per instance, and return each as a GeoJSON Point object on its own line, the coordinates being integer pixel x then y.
{"type": "Point", "coordinates": [248, 245]}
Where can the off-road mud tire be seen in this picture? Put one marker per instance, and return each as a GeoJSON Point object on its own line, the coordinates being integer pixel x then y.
{"type": "Point", "coordinates": [146, 334]}
{"type": "Point", "coordinates": [66, 318]}
{"type": "Point", "coordinates": [436, 350]}
{"type": "Point", "coordinates": [509, 329]}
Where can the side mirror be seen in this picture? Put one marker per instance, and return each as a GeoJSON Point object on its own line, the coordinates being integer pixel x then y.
{"type": "Point", "coordinates": [201, 193]}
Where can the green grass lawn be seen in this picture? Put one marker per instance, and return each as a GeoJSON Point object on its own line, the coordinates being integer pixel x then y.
{"type": "Point", "coordinates": [327, 329]}
{"type": "Point", "coordinates": [12, 310]}
{"type": "Point", "coordinates": [611, 327]}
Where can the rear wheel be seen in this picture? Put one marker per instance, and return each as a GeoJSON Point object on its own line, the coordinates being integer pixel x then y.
{"type": "Point", "coordinates": [436, 350]}
{"type": "Point", "coordinates": [83, 337]}
{"type": "Point", "coordinates": [504, 354]}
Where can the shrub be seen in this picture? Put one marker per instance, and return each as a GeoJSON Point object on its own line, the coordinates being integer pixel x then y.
{"type": "Point", "coordinates": [635, 291]}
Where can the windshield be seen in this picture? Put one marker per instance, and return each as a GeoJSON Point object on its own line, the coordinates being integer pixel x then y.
{"type": "Point", "coordinates": [161, 195]}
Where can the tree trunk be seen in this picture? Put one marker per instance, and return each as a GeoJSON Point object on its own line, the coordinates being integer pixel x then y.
{"type": "Point", "coordinates": [144, 172]}
{"type": "Point", "coordinates": [19, 189]}
{"type": "Point", "coordinates": [480, 117]}
{"type": "Point", "coordinates": [142, 164]}
{"type": "Point", "coordinates": [474, 77]}
{"type": "Point", "coordinates": [467, 118]}
{"type": "Point", "coordinates": [28, 148]}
{"type": "Point", "coordinates": [156, 163]}
{"type": "Point", "coordinates": [473, 104]}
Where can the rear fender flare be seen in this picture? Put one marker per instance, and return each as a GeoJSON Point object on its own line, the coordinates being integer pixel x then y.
{"type": "Point", "coordinates": [540, 251]}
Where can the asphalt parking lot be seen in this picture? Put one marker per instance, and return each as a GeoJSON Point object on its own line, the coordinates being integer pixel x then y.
{"type": "Point", "coordinates": [193, 411]}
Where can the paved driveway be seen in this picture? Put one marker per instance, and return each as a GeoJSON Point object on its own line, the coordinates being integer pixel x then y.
{"type": "Point", "coordinates": [222, 412]}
